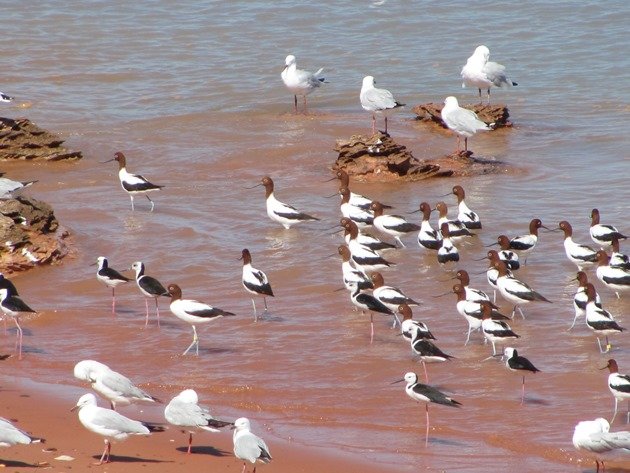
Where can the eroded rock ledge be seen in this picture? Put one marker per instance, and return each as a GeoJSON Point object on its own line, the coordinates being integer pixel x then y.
{"type": "Point", "coordinates": [488, 113]}
{"type": "Point", "coordinates": [22, 139]}
{"type": "Point", "coordinates": [380, 158]}
{"type": "Point", "coordinates": [30, 235]}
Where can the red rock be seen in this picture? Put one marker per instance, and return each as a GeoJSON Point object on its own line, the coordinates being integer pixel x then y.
{"type": "Point", "coordinates": [497, 114]}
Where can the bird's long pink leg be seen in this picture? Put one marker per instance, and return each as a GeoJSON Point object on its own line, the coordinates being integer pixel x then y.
{"type": "Point", "coordinates": [465, 143]}
{"type": "Point", "coordinates": [373, 124]}
{"type": "Point", "coordinates": [189, 442]}
{"type": "Point", "coordinates": [245, 464]}
{"type": "Point", "coordinates": [113, 301]}
{"type": "Point", "coordinates": [426, 375]}
{"type": "Point", "coordinates": [105, 455]}
{"type": "Point", "coordinates": [523, 392]}
{"type": "Point", "coordinates": [426, 441]}
{"type": "Point", "coordinates": [18, 340]}
{"type": "Point", "coordinates": [371, 327]}
{"type": "Point", "coordinates": [157, 311]}
{"type": "Point", "coordinates": [146, 305]}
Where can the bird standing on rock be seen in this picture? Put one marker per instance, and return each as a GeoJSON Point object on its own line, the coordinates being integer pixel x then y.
{"type": "Point", "coordinates": [462, 121]}
{"type": "Point", "coordinates": [376, 100]}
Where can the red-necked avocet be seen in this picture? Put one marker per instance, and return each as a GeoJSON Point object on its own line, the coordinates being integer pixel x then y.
{"type": "Point", "coordinates": [599, 320]}
{"type": "Point", "coordinates": [468, 217]}
{"type": "Point", "coordinates": [393, 225]}
{"type": "Point", "coordinates": [390, 296]}
{"type": "Point", "coordinates": [603, 234]}
{"type": "Point", "coordinates": [580, 299]}
{"type": "Point", "coordinates": [428, 237]}
{"type": "Point", "coordinates": [582, 255]}
{"type": "Point", "coordinates": [448, 252]}
{"type": "Point", "coordinates": [616, 278]}
{"type": "Point", "coordinates": [255, 281]}
{"type": "Point", "coordinates": [495, 331]}
{"type": "Point", "coordinates": [194, 313]}
{"type": "Point", "coordinates": [515, 291]}
{"type": "Point", "coordinates": [456, 229]}
{"type": "Point", "coordinates": [619, 385]}
{"type": "Point", "coordinates": [280, 212]}
{"type": "Point", "coordinates": [133, 184]}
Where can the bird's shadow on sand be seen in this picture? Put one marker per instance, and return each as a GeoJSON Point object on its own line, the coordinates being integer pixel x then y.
{"type": "Point", "coordinates": [215, 351]}
{"type": "Point", "coordinates": [205, 450]}
{"type": "Point", "coordinates": [536, 401]}
{"type": "Point", "coordinates": [124, 459]}
{"type": "Point", "coordinates": [18, 464]}
{"type": "Point", "coordinates": [446, 442]}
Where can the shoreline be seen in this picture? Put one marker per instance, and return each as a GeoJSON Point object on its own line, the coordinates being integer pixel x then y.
{"type": "Point", "coordinates": [43, 410]}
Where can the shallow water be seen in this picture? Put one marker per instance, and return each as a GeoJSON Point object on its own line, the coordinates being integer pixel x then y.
{"type": "Point", "coordinates": [193, 97]}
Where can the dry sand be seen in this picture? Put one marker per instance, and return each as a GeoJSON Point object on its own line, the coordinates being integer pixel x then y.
{"type": "Point", "coordinates": [44, 411]}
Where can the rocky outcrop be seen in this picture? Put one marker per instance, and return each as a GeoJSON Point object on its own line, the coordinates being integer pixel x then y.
{"type": "Point", "coordinates": [380, 158]}
{"type": "Point", "coordinates": [30, 235]}
{"type": "Point", "coordinates": [497, 114]}
{"type": "Point", "coordinates": [21, 139]}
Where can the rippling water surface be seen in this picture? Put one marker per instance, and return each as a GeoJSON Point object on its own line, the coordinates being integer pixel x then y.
{"type": "Point", "coordinates": [192, 94]}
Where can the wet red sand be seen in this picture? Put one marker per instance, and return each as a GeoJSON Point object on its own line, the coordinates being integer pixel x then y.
{"type": "Point", "coordinates": [307, 376]}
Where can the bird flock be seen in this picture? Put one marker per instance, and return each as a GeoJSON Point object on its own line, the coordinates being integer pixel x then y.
{"type": "Point", "coordinates": [363, 257]}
